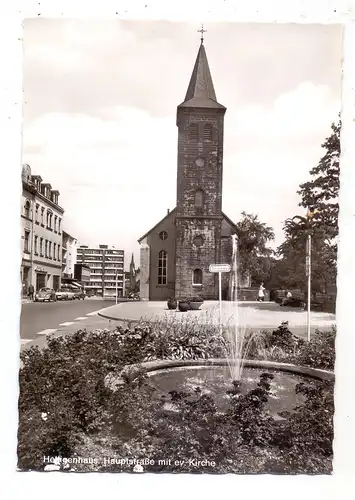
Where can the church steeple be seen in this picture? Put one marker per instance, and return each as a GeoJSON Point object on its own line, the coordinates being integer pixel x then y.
{"type": "Point", "coordinates": [200, 92]}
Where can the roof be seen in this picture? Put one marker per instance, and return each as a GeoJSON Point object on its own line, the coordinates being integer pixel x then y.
{"type": "Point", "coordinates": [229, 220]}
{"type": "Point", "coordinates": [170, 213]}
{"type": "Point", "coordinates": [156, 225]}
{"type": "Point", "coordinates": [200, 92]}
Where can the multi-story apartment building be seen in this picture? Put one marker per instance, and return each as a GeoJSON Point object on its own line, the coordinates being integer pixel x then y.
{"type": "Point", "coordinates": [68, 255]}
{"type": "Point", "coordinates": [41, 221]}
{"type": "Point", "coordinates": [106, 269]}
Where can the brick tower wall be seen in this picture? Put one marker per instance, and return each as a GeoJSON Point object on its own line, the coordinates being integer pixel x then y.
{"type": "Point", "coordinates": [206, 221]}
{"type": "Point", "coordinates": [190, 257]}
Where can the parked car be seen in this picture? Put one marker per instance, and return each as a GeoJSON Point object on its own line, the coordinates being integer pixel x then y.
{"type": "Point", "coordinates": [61, 295]}
{"type": "Point", "coordinates": [45, 295]}
{"type": "Point", "coordinates": [79, 294]}
{"type": "Point", "coordinates": [70, 293]}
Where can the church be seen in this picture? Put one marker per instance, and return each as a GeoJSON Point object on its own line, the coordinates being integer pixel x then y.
{"type": "Point", "coordinates": [176, 253]}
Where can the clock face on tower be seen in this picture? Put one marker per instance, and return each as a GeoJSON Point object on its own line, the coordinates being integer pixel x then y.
{"type": "Point", "coordinates": [200, 162]}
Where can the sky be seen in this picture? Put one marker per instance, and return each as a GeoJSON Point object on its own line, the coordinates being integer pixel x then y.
{"type": "Point", "coordinates": [99, 112]}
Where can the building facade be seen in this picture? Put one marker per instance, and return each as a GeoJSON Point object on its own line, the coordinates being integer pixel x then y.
{"type": "Point", "coordinates": [69, 248]}
{"type": "Point", "coordinates": [41, 226]}
{"type": "Point", "coordinates": [106, 268]}
{"type": "Point", "coordinates": [177, 252]}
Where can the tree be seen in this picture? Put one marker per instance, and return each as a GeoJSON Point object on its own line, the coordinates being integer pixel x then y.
{"type": "Point", "coordinates": [320, 194]}
{"type": "Point", "coordinates": [320, 197]}
{"type": "Point", "coordinates": [254, 253]}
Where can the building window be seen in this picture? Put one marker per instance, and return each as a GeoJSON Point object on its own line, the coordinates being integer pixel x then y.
{"type": "Point", "coordinates": [36, 245]}
{"type": "Point", "coordinates": [27, 208]}
{"type": "Point", "coordinates": [41, 246]}
{"type": "Point", "coordinates": [55, 223]}
{"type": "Point", "coordinates": [207, 132]}
{"type": "Point", "coordinates": [199, 198]}
{"type": "Point", "coordinates": [46, 248]}
{"type": "Point", "coordinates": [54, 251]}
{"type": "Point", "coordinates": [27, 242]}
{"type": "Point", "coordinates": [163, 235]}
{"type": "Point", "coordinates": [59, 225]}
{"type": "Point", "coordinates": [42, 215]}
{"type": "Point", "coordinates": [162, 267]}
{"type": "Point", "coordinates": [193, 132]}
{"type": "Point", "coordinates": [50, 249]}
{"type": "Point", "coordinates": [49, 219]}
{"type": "Point", "coordinates": [58, 256]}
{"type": "Point", "coordinates": [197, 277]}
{"type": "Point", "coordinates": [37, 210]}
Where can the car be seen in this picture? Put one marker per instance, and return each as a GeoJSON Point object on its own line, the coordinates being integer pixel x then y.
{"type": "Point", "coordinates": [45, 295]}
{"type": "Point", "coordinates": [79, 294]}
{"type": "Point", "coordinates": [61, 295]}
{"type": "Point", "coordinates": [70, 293]}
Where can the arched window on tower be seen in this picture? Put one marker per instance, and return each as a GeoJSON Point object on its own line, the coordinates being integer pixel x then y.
{"type": "Point", "coordinates": [162, 268]}
{"type": "Point", "coordinates": [193, 132]}
{"type": "Point", "coordinates": [197, 277]}
{"type": "Point", "coordinates": [207, 132]}
{"type": "Point", "coordinates": [199, 196]}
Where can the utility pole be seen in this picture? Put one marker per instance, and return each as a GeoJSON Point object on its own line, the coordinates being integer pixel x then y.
{"type": "Point", "coordinates": [308, 274]}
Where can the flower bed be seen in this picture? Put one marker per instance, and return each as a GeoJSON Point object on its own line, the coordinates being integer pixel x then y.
{"type": "Point", "coordinates": [66, 409]}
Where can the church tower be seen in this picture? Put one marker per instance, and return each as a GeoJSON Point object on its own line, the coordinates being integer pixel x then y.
{"type": "Point", "coordinates": [200, 121]}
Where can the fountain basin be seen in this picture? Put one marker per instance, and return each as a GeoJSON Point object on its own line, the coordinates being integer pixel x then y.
{"type": "Point", "coordinates": [211, 376]}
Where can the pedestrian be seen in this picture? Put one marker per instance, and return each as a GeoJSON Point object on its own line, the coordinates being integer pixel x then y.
{"type": "Point", "coordinates": [31, 291]}
{"type": "Point", "coordinates": [261, 294]}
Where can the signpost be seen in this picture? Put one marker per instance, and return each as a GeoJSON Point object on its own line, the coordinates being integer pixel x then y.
{"type": "Point", "coordinates": [220, 268]}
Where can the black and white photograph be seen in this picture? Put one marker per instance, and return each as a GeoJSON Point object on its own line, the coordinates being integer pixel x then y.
{"type": "Point", "coordinates": [179, 241]}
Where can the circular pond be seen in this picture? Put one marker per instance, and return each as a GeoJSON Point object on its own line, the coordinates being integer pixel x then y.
{"type": "Point", "coordinates": [215, 382]}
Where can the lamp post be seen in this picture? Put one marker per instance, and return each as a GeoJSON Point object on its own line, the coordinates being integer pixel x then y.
{"type": "Point", "coordinates": [116, 286]}
{"type": "Point", "coordinates": [307, 224]}
{"type": "Point", "coordinates": [308, 274]}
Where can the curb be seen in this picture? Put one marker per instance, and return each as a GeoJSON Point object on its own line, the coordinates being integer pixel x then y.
{"type": "Point", "coordinates": [154, 367]}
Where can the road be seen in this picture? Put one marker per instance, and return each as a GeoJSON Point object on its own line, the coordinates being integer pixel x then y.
{"type": "Point", "coordinates": [39, 319]}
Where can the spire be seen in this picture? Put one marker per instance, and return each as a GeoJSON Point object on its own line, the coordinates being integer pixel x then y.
{"type": "Point", "coordinates": [200, 92]}
{"type": "Point", "coordinates": [132, 267]}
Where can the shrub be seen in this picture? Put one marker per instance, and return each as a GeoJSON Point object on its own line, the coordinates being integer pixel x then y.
{"type": "Point", "coordinates": [65, 381]}
{"type": "Point", "coordinates": [64, 402]}
{"type": "Point", "coordinates": [307, 432]}
{"type": "Point", "coordinates": [319, 352]}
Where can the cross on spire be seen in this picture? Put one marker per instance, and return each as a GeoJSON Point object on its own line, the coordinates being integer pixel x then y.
{"type": "Point", "coordinates": [202, 31]}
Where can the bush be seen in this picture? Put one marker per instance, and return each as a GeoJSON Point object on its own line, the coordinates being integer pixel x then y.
{"type": "Point", "coordinates": [64, 403]}
{"type": "Point", "coordinates": [243, 439]}
{"type": "Point", "coordinates": [65, 383]}
{"type": "Point", "coordinates": [319, 352]}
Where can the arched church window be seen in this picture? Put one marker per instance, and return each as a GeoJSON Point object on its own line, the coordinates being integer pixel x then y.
{"type": "Point", "coordinates": [199, 198]}
{"type": "Point", "coordinates": [163, 235]}
{"type": "Point", "coordinates": [162, 267]}
{"type": "Point", "coordinates": [207, 132]}
{"type": "Point", "coordinates": [197, 277]}
{"type": "Point", "coordinates": [27, 208]}
{"type": "Point", "coordinates": [193, 131]}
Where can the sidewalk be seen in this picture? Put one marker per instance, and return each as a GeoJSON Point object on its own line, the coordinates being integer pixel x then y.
{"type": "Point", "coordinates": [251, 315]}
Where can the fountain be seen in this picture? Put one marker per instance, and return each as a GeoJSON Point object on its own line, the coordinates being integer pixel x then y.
{"type": "Point", "coordinates": [235, 371]}
{"type": "Point", "coordinates": [236, 342]}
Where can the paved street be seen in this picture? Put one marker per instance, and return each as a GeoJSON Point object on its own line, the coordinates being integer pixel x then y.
{"type": "Point", "coordinates": [39, 319]}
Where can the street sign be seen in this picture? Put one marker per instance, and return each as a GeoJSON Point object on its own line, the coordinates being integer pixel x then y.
{"type": "Point", "coordinates": [219, 268]}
